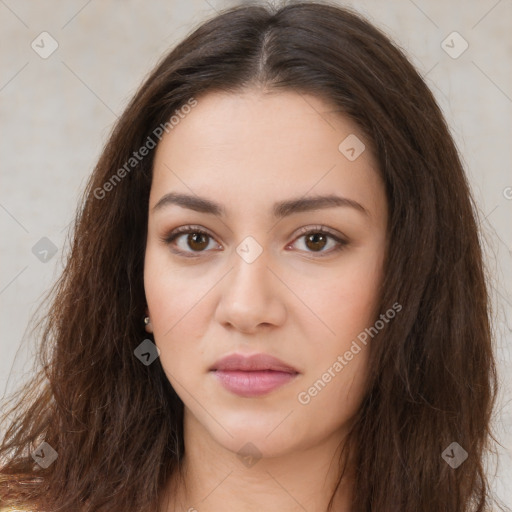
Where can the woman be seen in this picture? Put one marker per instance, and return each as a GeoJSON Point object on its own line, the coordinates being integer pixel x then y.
{"type": "Point", "coordinates": [275, 297]}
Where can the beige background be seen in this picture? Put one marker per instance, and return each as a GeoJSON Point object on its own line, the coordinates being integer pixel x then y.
{"type": "Point", "coordinates": [56, 114]}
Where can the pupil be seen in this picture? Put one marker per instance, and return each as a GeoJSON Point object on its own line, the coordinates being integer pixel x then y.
{"type": "Point", "coordinates": [194, 238]}
{"type": "Point", "coordinates": [314, 238]}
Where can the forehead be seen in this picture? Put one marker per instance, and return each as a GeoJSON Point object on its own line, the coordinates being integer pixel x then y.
{"type": "Point", "coordinates": [221, 120]}
{"type": "Point", "coordinates": [257, 144]}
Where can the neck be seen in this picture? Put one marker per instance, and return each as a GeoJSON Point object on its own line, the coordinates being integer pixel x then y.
{"type": "Point", "coordinates": [214, 478]}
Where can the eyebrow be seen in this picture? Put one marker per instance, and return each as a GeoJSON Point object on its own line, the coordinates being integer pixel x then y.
{"type": "Point", "coordinates": [280, 209]}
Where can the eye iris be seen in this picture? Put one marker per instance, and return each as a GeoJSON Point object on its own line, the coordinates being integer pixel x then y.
{"type": "Point", "coordinates": [193, 237]}
{"type": "Point", "coordinates": [314, 237]}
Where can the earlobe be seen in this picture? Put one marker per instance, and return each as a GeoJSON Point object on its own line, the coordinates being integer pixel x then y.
{"type": "Point", "coordinates": [147, 324]}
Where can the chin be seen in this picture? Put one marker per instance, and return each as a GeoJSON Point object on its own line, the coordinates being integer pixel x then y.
{"type": "Point", "coordinates": [252, 433]}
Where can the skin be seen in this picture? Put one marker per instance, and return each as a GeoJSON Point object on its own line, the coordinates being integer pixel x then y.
{"type": "Point", "coordinates": [247, 151]}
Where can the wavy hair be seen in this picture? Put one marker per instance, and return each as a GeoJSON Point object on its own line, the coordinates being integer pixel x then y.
{"type": "Point", "coordinates": [116, 424]}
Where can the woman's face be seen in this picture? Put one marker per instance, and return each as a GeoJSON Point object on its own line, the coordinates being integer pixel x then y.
{"type": "Point", "coordinates": [257, 282]}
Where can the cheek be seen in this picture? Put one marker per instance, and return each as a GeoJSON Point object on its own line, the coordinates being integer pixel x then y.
{"type": "Point", "coordinates": [338, 358]}
{"type": "Point", "coordinates": [347, 303]}
{"type": "Point", "coordinates": [336, 375]}
{"type": "Point", "coordinates": [336, 396]}
{"type": "Point", "coordinates": [175, 333]}
{"type": "Point", "coordinates": [169, 293]}
{"type": "Point", "coordinates": [177, 303]}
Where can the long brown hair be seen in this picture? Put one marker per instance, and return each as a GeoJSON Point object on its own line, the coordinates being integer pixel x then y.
{"type": "Point", "coordinates": [116, 424]}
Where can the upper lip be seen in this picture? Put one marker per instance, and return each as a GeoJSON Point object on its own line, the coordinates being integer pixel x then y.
{"type": "Point", "coordinates": [252, 363]}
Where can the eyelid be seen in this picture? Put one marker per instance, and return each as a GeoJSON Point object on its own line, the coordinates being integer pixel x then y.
{"type": "Point", "coordinates": [340, 239]}
{"type": "Point", "coordinates": [317, 228]}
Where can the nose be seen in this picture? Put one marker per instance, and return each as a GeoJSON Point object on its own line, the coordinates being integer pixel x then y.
{"type": "Point", "coordinates": [251, 297]}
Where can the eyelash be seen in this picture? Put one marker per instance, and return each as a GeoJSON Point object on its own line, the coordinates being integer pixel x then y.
{"type": "Point", "coordinates": [168, 239]}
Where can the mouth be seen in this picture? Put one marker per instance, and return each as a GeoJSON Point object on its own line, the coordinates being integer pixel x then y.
{"type": "Point", "coordinates": [252, 376]}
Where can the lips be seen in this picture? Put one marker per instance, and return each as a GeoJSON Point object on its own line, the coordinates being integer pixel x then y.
{"type": "Point", "coordinates": [252, 376]}
{"type": "Point", "coordinates": [256, 362]}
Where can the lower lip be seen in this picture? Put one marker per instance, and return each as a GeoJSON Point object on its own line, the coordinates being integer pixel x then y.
{"type": "Point", "coordinates": [255, 383]}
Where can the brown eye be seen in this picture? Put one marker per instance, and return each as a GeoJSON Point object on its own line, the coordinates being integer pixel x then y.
{"type": "Point", "coordinates": [197, 241]}
{"type": "Point", "coordinates": [316, 241]}
{"type": "Point", "coordinates": [316, 238]}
